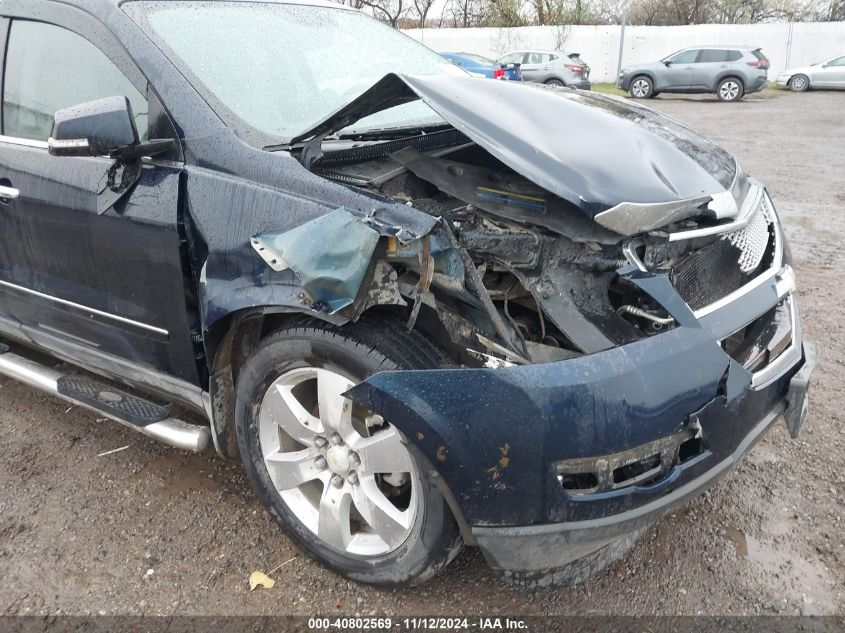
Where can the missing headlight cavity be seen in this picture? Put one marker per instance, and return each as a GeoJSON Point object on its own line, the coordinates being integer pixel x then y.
{"type": "Point", "coordinates": [764, 339]}
{"type": "Point", "coordinates": [641, 465]}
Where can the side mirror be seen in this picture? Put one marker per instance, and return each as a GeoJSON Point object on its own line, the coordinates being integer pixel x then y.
{"type": "Point", "coordinates": [667, 62]}
{"type": "Point", "coordinates": [105, 127]}
{"type": "Point", "coordinates": [95, 128]}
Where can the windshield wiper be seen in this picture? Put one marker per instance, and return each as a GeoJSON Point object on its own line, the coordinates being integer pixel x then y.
{"type": "Point", "coordinates": [289, 147]}
{"type": "Point", "coordinates": [382, 134]}
{"type": "Point", "coordinates": [394, 132]}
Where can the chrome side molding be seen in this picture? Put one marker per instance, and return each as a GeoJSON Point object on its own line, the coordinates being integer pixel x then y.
{"type": "Point", "coordinates": [81, 308]}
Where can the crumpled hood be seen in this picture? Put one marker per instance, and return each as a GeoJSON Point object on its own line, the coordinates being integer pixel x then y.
{"type": "Point", "coordinates": [594, 151]}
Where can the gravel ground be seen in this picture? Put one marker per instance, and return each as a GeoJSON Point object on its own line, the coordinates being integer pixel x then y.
{"type": "Point", "coordinates": [149, 530]}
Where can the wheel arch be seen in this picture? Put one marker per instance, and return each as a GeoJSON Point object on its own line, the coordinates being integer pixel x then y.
{"type": "Point", "coordinates": [228, 343]}
{"type": "Point", "coordinates": [794, 75]}
{"type": "Point", "coordinates": [644, 73]}
{"type": "Point", "coordinates": [729, 74]}
{"type": "Point", "coordinates": [231, 339]}
{"type": "Point", "coordinates": [241, 333]}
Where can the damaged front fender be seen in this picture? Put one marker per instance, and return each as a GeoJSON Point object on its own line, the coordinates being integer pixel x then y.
{"type": "Point", "coordinates": [495, 435]}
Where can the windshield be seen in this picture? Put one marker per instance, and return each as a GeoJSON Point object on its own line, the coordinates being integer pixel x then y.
{"type": "Point", "coordinates": [274, 71]}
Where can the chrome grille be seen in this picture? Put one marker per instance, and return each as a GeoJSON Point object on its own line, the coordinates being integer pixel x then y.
{"type": "Point", "coordinates": [751, 240]}
{"type": "Point", "coordinates": [708, 274]}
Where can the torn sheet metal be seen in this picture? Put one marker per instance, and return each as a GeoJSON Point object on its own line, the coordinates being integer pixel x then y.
{"type": "Point", "coordinates": [329, 254]}
{"type": "Point", "coordinates": [404, 223]}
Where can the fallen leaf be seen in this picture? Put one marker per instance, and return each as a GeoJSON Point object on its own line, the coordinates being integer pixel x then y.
{"type": "Point", "coordinates": [257, 578]}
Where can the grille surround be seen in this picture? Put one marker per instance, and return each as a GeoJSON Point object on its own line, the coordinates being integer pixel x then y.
{"type": "Point", "coordinates": [752, 239]}
{"type": "Point", "coordinates": [709, 274]}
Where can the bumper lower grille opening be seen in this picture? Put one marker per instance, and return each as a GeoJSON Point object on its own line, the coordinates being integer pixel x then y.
{"type": "Point", "coordinates": [642, 471]}
{"type": "Point", "coordinates": [693, 447]}
{"type": "Point", "coordinates": [638, 466]}
{"type": "Point", "coordinates": [579, 482]}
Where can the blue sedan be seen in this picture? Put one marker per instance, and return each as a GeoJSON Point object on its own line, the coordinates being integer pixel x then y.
{"type": "Point", "coordinates": [483, 66]}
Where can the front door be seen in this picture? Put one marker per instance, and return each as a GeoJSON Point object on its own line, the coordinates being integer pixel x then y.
{"type": "Point", "coordinates": [103, 283]}
{"type": "Point", "coordinates": [830, 75]}
{"type": "Point", "coordinates": [678, 74]}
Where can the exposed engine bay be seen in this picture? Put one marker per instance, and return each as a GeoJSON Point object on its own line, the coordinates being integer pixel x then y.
{"type": "Point", "coordinates": [509, 273]}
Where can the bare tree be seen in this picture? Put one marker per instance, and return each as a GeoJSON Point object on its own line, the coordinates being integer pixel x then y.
{"type": "Point", "coordinates": [421, 8]}
{"type": "Point", "coordinates": [466, 13]}
{"type": "Point", "coordinates": [506, 40]}
{"type": "Point", "coordinates": [506, 13]}
{"type": "Point", "coordinates": [390, 11]}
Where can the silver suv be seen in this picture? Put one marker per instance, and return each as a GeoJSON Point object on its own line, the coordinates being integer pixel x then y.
{"type": "Point", "coordinates": [728, 71]}
{"type": "Point", "coordinates": [553, 68]}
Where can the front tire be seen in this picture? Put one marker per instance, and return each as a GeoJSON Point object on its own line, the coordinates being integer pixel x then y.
{"type": "Point", "coordinates": [341, 481]}
{"type": "Point", "coordinates": [730, 89]}
{"type": "Point", "coordinates": [641, 88]}
{"type": "Point", "coordinates": [799, 83]}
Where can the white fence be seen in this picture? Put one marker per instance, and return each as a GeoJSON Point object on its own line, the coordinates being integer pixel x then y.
{"type": "Point", "coordinates": [785, 44]}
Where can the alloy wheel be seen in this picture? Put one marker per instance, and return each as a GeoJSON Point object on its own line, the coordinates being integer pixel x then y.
{"type": "Point", "coordinates": [344, 473]}
{"type": "Point", "coordinates": [640, 88]}
{"type": "Point", "coordinates": [729, 91]}
{"type": "Point", "coordinates": [798, 83]}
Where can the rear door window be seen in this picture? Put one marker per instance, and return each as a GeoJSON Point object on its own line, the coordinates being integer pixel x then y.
{"type": "Point", "coordinates": [712, 55]}
{"type": "Point", "coordinates": [49, 68]}
{"type": "Point", "coordinates": [537, 58]}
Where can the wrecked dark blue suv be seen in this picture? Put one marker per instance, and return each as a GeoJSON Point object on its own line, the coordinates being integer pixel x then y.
{"type": "Point", "coordinates": [423, 309]}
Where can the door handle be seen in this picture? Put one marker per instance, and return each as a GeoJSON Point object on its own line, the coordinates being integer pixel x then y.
{"type": "Point", "coordinates": [9, 193]}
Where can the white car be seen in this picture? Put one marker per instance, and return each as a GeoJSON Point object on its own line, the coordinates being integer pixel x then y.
{"type": "Point", "coordinates": [829, 74]}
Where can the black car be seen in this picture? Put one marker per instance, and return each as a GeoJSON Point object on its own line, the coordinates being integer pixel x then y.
{"type": "Point", "coordinates": [422, 309]}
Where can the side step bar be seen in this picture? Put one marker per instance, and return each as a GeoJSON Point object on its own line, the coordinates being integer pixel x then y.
{"type": "Point", "coordinates": [138, 414]}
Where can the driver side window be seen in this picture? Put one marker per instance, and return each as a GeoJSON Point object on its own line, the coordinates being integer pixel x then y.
{"type": "Point", "coordinates": [685, 57]}
{"type": "Point", "coordinates": [49, 68]}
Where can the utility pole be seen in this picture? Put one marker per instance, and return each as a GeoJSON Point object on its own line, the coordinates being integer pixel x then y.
{"type": "Point", "coordinates": [621, 42]}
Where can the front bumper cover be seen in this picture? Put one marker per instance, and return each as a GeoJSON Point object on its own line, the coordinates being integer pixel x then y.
{"type": "Point", "coordinates": [545, 553]}
{"type": "Point", "coordinates": [495, 435]}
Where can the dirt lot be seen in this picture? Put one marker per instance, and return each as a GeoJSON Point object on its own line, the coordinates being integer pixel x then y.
{"type": "Point", "coordinates": [150, 530]}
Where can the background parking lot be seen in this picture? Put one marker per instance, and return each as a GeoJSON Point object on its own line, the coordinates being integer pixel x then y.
{"type": "Point", "coordinates": [151, 530]}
